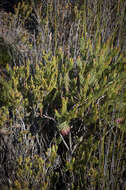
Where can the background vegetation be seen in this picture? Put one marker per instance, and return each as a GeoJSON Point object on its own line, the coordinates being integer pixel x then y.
{"type": "Point", "coordinates": [63, 95]}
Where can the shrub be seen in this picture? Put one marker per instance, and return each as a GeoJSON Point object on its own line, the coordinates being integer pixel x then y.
{"type": "Point", "coordinates": [49, 85]}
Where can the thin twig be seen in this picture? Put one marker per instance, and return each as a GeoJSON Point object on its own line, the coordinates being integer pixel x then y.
{"type": "Point", "coordinates": [64, 142]}
{"type": "Point", "coordinates": [48, 117]}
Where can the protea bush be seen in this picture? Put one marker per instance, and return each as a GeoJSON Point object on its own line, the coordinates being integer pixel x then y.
{"type": "Point", "coordinates": [62, 96]}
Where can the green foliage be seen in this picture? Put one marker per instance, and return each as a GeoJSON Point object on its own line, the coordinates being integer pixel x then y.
{"type": "Point", "coordinates": [36, 172]}
{"type": "Point", "coordinates": [58, 81]}
{"type": "Point", "coordinates": [4, 115]}
{"type": "Point", "coordinates": [4, 56]}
